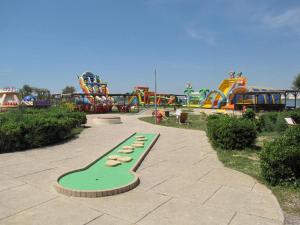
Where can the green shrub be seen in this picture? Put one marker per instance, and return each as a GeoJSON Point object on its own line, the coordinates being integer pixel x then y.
{"type": "Point", "coordinates": [78, 117]}
{"type": "Point", "coordinates": [249, 114]}
{"type": "Point", "coordinates": [281, 124]}
{"type": "Point", "coordinates": [274, 121]}
{"type": "Point", "coordinates": [10, 136]}
{"type": "Point", "coordinates": [231, 132]}
{"type": "Point", "coordinates": [280, 159]}
{"type": "Point", "coordinates": [33, 128]}
{"type": "Point", "coordinates": [267, 121]}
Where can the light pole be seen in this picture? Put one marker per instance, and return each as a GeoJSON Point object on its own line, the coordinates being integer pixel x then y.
{"type": "Point", "coordinates": [155, 89]}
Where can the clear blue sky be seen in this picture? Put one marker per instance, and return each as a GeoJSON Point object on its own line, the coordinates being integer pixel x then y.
{"type": "Point", "coordinates": [46, 43]}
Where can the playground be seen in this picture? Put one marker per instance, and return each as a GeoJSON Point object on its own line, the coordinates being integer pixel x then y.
{"type": "Point", "coordinates": [233, 94]}
{"type": "Point", "coordinates": [124, 156]}
{"type": "Point", "coordinates": [151, 112]}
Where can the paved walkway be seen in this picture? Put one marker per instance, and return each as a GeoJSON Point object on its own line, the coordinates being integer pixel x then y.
{"type": "Point", "coordinates": [182, 182]}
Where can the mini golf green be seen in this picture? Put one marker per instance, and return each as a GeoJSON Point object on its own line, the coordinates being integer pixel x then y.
{"type": "Point", "coordinates": [98, 179]}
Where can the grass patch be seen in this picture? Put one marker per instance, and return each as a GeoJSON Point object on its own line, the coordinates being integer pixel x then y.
{"type": "Point", "coordinates": [288, 198]}
{"type": "Point", "coordinates": [265, 137]}
{"type": "Point", "coordinates": [246, 161]}
{"type": "Point", "coordinates": [76, 131]}
{"type": "Point", "coordinates": [195, 122]}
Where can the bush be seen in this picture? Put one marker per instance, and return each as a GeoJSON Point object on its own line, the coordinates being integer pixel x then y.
{"type": "Point", "coordinates": [33, 128]}
{"type": "Point", "coordinates": [280, 159]}
{"type": "Point", "coordinates": [249, 114]}
{"type": "Point", "coordinates": [231, 132]}
{"type": "Point", "coordinates": [274, 121]}
{"type": "Point", "coordinates": [267, 121]}
{"type": "Point", "coordinates": [10, 136]}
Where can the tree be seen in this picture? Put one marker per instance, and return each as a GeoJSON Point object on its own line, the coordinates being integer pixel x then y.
{"type": "Point", "coordinates": [296, 82]}
{"type": "Point", "coordinates": [68, 90]}
{"type": "Point", "coordinates": [42, 93]}
{"type": "Point", "coordinates": [26, 90]}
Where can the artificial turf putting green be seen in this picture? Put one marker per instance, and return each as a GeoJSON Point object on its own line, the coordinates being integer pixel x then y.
{"type": "Point", "coordinates": [98, 176]}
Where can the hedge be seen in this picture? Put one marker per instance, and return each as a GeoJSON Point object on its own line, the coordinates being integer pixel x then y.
{"type": "Point", "coordinates": [280, 159]}
{"type": "Point", "coordinates": [231, 132]}
{"type": "Point", "coordinates": [33, 128]}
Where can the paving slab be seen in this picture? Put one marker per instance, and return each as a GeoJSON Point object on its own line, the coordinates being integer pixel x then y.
{"type": "Point", "coordinates": [173, 185]}
{"type": "Point", "coordinates": [23, 197]}
{"type": "Point", "coordinates": [24, 169]}
{"type": "Point", "coordinates": [130, 206]}
{"type": "Point", "coordinates": [211, 160]}
{"type": "Point", "coordinates": [230, 178]}
{"type": "Point", "coordinates": [178, 212]}
{"type": "Point", "coordinates": [6, 182]}
{"type": "Point", "coordinates": [54, 212]}
{"type": "Point", "coordinates": [152, 176]}
{"type": "Point", "coordinates": [259, 204]}
{"type": "Point", "coordinates": [246, 219]}
{"type": "Point", "coordinates": [198, 193]}
{"type": "Point", "coordinates": [5, 211]}
{"type": "Point", "coordinates": [108, 220]}
{"type": "Point", "coordinates": [44, 180]}
{"type": "Point", "coordinates": [260, 188]}
{"type": "Point", "coordinates": [15, 158]}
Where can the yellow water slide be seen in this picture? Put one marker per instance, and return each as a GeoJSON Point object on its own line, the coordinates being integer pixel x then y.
{"type": "Point", "coordinates": [215, 97]}
{"type": "Point", "coordinates": [226, 85]}
{"type": "Point", "coordinates": [207, 103]}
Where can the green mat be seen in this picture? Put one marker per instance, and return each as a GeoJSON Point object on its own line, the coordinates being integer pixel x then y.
{"type": "Point", "coordinates": [98, 176]}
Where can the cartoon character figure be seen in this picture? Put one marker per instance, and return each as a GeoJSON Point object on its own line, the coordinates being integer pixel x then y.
{"type": "Point", "coordinates": [232, 74]}
{"type": "Point", "coordinates": [189, 85]}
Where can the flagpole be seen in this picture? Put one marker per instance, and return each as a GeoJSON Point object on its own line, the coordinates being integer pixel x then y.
{"type": "Point", "coordinates": [155, 89]}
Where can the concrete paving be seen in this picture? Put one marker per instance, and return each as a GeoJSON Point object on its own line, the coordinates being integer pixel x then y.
{"type": "Point", "coordinates": [182, 182]}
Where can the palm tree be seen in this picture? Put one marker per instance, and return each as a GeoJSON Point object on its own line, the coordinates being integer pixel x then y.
{"type": "Point", "coordinates": [188, 91]}
{"type": "Point", "coordinates": [204, 91]}
{"type": "Point", "coordinates": [203, 94]}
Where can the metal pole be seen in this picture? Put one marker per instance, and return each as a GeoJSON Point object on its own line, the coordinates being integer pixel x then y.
{"type": "Point", "coordinates": [94, 104]}
{"type": "Point", "coordinates": [155, 89]}
{"type": "Point", "coordinates": [285, 99]}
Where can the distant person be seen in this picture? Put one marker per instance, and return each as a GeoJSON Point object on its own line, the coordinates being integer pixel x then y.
{"type": "Point", "coordinates": [244, 110]}
{"type": "Point", "coordinates": [178, 113]}
{"type": "Point", "coordinates": [159, 115]}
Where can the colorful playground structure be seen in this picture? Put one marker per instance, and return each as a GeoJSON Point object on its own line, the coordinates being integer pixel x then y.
{"type": "Point", "coordinates": [95, 98]}
{"type": "Point", "coordinates": [142, 96]}
{"type": "Point", "coordinates": [28, 100]}
{"type": "Point", "coordinates": [194, 98]}
{"type": "Point", "coordinates": [9, 98]}
{"type": "Point", "coordinates": [234, 91]}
